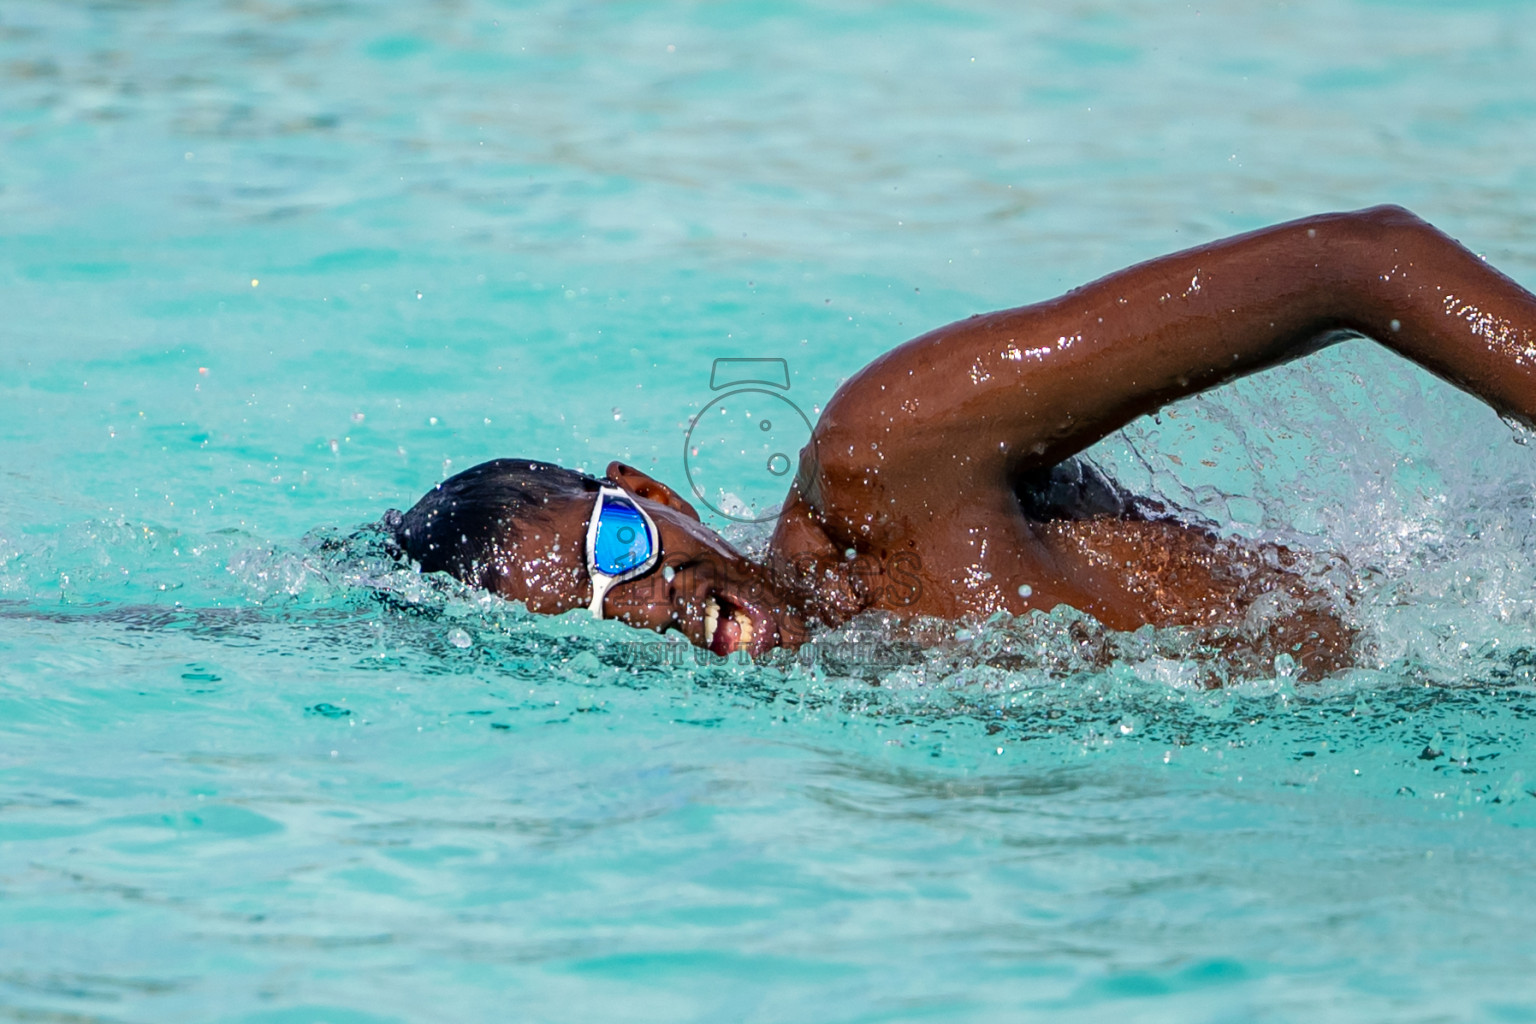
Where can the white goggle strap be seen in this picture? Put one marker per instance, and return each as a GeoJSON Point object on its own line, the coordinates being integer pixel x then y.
{"type": "Point", "coordinates": [601, 582]}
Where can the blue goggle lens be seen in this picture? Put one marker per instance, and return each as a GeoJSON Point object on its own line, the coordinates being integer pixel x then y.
{"type": "Point", "coordinates": [623, 543]}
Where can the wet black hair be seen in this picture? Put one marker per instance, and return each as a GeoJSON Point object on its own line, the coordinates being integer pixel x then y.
{"type": "Point", "coordinates": [462, 525]}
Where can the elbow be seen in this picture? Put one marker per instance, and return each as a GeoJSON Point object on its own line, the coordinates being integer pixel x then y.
{"type": "Point", "coordinates": [1387, 225]}
{"type": "Point", "coordinates": [1387, 216]}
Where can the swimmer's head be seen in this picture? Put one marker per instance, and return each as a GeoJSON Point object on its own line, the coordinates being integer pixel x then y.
{"type": "Point", "coordinates": [468, 525]}
{"type": "Point", "coordinates": [518, 528]}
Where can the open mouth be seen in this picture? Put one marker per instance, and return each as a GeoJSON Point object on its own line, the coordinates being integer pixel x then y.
{"type": "Point", "coordinates": [732, 625]}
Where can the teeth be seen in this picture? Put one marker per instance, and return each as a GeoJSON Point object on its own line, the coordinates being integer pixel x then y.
{"type": "Point", "coordinates": [712, 623]}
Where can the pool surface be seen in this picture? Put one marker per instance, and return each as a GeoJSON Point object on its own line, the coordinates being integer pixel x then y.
{"type": "Point", "coordinates": [270, 267]}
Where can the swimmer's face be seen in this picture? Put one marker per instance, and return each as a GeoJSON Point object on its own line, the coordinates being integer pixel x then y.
{"type": "Point", "coordinates": [701, 587]}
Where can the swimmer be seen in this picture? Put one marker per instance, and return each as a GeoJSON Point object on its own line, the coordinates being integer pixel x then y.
{"type": "Point", "coordinates": [943, 478]}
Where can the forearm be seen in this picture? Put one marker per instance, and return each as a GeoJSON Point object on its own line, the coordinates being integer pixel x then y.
{"type": "Point", "coordinates": [1447, 310]}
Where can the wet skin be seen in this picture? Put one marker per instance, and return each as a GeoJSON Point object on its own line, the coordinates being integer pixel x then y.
{"type": "Point", "coordinates": [545, 567]}
{"type": "Point", "coordinates": [918, 462]}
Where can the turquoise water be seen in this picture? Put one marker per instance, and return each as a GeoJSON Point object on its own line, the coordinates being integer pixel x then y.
{"type": "Point", "coordinates": [270, 268]}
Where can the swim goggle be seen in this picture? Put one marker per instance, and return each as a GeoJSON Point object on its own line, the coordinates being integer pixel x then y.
{"type": "Point", "coordinates": [621, 543]}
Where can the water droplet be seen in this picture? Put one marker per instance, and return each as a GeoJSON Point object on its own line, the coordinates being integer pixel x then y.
{"type": "Point", "coordinates": [1025, 590]}
{"type": "Point", "coordinates": [1522, 432]}
{"type": "Point", "coordinates": [459, 638]}
{"type": "Point", "coordinates": [617, 415]}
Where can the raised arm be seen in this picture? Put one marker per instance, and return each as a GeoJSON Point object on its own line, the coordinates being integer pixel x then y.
{"type": "Point", "coordinates": [970, 405]}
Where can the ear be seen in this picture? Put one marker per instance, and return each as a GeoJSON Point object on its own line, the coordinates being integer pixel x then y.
{"type": "Point", "coordinates": [642, 485]}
